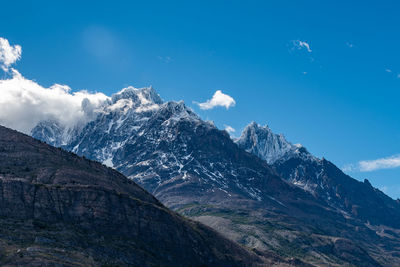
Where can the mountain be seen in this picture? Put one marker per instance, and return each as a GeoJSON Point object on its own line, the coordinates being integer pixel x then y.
{"type": "Point", "coordinates": [200, 172]}
{"type": "Point", "coordinates": [58, 209]}
{"type": "Point", "coordinates": [262, 142]}
{"type": "Point", "coordinates": [320, 177]}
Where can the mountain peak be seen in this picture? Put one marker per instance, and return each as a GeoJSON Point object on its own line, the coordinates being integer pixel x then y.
{"type": "Point", "coordinates": [255, 125]}
{"type": "Point", "coordinates": [176, 111]}
{"type": "Point", "coordinates": [260, 140]}
{"type": "Point", "coordinates": [271, 147]}
{"type": "Point", "coordinates": [143, 96]}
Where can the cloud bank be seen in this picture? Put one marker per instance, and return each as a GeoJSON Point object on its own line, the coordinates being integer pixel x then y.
{"type": "Point", "coordinates": [373, 165]}
{"type": "Point", "coordinates": [24, 103]}
{"type": "Point", "coordinates": [8, 54]}
{"type": "Point", "coordinates": [219, 99]}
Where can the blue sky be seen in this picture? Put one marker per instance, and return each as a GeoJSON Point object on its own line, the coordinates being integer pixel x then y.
{"type": "Point", "coordinates": [339, 98]}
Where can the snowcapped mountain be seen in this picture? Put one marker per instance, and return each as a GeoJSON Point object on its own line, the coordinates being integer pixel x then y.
{"type": "Point", "coordinates": [120, 119]}
{"type": "Point", "coordinates": [199, 171]}
{"type": "Point", "coordinates": [319, 176]}
{"type": "Point", "coordinates": [52, 132]}
{"type": "Point", "coordinates": [275, 150]}
{"type": "Point", "coordinates": [163, 146]}
{"type": "Point", "coordinates": [262, 142]}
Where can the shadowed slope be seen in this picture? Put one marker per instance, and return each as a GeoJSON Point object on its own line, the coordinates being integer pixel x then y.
{"type": "Point", "coordinates": [56, 207]}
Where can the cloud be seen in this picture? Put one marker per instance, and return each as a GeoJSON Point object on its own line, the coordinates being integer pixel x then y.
{"type": "Point", "coordinates": [350, 45]}
{"type": "Point", "coordinates": [229, 129]}
{"type": "Point", "coordinates": [390, 71]}
{"type": "Point", "coordinates": [8, 54]}
{"type": "Point", "coordinates": [23, 103]}
{"type": "Point", "coordinates": [373, 165]}
{"type": "Point", "coordinates": [301, 45]}
{"type": "Point", "coordinates": [219, 99]}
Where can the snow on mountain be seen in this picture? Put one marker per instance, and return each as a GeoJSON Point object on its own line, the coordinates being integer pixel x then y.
{"type": "Point", "coordinates": [149, 141]}
{"type": "Point", "coordinates": [317, 176]}
{"type": "Point", "coordinates": [193, 167]}
{"type": "Point", "coordinates": [156, 143]}
{"type": "Point", "coordinates": [112, 125]}
{"type": "Point", "coordinates": [275, 150]}
{"type": "Point", "coordinates": [271, 147]}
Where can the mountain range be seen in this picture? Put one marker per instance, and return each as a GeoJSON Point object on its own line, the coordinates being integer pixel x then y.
{"type": "Point", "coordinates": [259, 190]}
{"type": "Point", "coordinates": [58, 209]}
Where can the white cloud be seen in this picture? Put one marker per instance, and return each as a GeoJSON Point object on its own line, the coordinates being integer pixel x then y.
{"type": "Point", "coordinates": [302, 45]}
{"type": "Point", "coordinates": [23, 103]}
{"type": "Point", "coordinates": [390, 71]}
{"type": "Point", "coordinates": [8, 54]}
{"type": "Point", "coordinates": [350, 45]}
{"type": "Point", "coordinates": [229, 129]}
{"type": "Point", "coordinates": [219, 99]}
{"type": "Point", "coordinates": [373, 165]}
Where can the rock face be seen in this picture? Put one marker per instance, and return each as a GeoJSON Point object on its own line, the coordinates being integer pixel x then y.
{"type": "Point", "coordinates": [58, 208]}
{"type": "Point", "coordinates": [197, 170]}
{"type": "Point", "coordinates": [262, 142]}
{"type": "Point", "coordinates": [320, 177]}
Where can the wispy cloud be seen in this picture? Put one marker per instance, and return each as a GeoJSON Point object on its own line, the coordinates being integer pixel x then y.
{"type": "Point", "coordinates": [229, 129]}
{"type": "Point", "coordinates": [373, 165]}
{"type": "Point", "coordinates": [8, 54]}
{"type": "Point", "coordinates": [219, 99]}
{"type": "Point", "coordinates": [349, 45]}
{"type": "Point", "coordinates": [300, 45]}
{"type": "Point", "coordinates": [391, 72]}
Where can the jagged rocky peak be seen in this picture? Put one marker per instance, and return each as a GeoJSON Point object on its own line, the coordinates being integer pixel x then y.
{"type": "Point", "coordinates": [178, 111]}
{"type": "Point", "coordinates": [127, 107]}
{"type": "Point", "coordinates": [141, 96]}
{"type": "Point", "coordinates": [137, 100]}
{"type": "Point", "coordinates": [261, 141]}
{"type": "Point", "coordinates": [48, 131]}
{"type": "Point", "coordinates": [53, 132]}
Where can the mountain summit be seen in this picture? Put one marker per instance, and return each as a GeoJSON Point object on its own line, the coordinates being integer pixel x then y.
{"type": "Point", "coordinates": [262, 142]}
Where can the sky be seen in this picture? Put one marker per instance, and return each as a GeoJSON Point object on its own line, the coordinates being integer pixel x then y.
{"type": "Point", "coordinates": [326, 74]}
